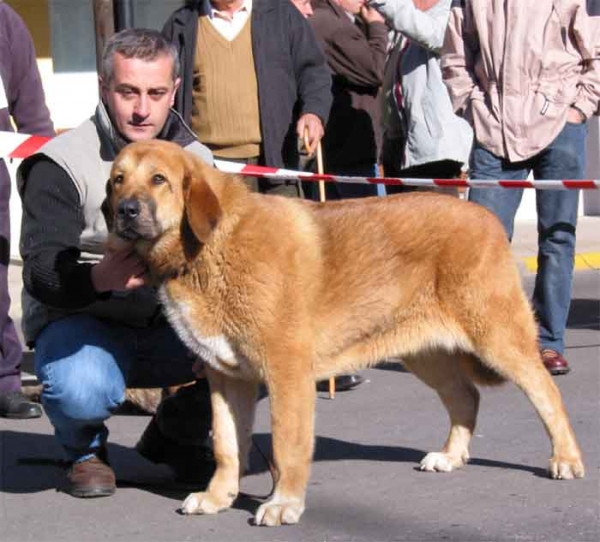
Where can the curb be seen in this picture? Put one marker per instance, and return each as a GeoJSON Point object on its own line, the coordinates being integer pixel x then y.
{"type": "Point", "coordinates": [583, 261]}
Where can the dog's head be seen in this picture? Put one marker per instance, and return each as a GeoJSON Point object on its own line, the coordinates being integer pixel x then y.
{"type": "Point", "coordinates": [156, 187]}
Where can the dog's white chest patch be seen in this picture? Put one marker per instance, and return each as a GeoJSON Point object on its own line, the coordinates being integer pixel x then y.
{"type": "Point", "coordinates": [215, 350]}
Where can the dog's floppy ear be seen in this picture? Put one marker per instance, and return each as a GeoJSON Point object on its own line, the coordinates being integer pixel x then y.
{"type": "Point", "coordinates": [106, 208]}
{"type": "Point", "coordinates": [202, 208]}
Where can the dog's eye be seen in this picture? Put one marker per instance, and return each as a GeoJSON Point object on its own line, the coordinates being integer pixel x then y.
{"type": "Point", "coordinates": [118, 179]}
{"type": "Point", "coordinates": [158, 179]}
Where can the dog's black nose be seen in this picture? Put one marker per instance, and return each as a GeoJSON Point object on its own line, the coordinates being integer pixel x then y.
{"type": "Point", "coordinates": [128, 209]}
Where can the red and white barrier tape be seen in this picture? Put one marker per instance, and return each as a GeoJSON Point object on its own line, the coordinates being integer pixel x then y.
{"type": "Point", "coordinates": [19, 146]}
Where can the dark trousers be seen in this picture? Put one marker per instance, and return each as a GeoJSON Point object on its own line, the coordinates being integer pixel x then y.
{"type": "Point", "coordinates": [10, 347]}
{"type": "Point", "coordinates": [442, 169]}
{"type": "Point", "coordinates": [342, 190]}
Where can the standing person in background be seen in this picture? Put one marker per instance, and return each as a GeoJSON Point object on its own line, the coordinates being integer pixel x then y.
{"type": "Point", "coordinates": [527, 76]}
{"type": "Point", "coordinates": [304, 6]}
{"type": "Point", "coordinates": [422, 136]}
{"type": "Point", "coordinates": [22, 99]}
{"type": "Point", "coordinates": [355, 50]}
{"type": "Point", "coordinates": [354, 38]}
{"type": "Point", "coordinates": [248, 66]}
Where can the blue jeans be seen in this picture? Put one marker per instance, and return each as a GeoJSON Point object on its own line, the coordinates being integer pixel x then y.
{"type": "Point", "coordinates": [85, 364]}
{"type": "Point", "coordinates": [564, 158]}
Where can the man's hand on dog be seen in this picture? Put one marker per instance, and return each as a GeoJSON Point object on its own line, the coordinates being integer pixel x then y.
{"type": "Point", "coordinates": [118, 270]}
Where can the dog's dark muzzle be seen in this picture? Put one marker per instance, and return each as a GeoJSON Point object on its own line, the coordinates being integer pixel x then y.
{"type": "Point", "coordinates": [128, 210]}
{"type": "Point", "coordinates": [135, 218]}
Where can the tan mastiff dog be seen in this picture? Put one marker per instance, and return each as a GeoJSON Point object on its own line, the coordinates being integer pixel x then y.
{"type": "Point", "coordinates": [286, 292]}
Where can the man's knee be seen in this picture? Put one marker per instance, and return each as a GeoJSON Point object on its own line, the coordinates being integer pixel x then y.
{"type": "Point", "coordinates": [558, 239]}
{"type": "Point", "coordinates": [83, 387]}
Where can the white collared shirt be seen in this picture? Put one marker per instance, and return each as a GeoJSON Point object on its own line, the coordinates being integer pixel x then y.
{"type": "Point", "coordinates": [229, 27]}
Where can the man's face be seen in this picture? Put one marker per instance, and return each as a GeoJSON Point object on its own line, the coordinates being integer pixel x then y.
{"type": "Point", "coordinates": [304, 7]}
{"type": "Point", "coordinates": [352, 6]}
{"type": "Point", "coordinates": [140, 95]}
{"type": "Point", "coordinates": [424, 5]}
{"type": "Point", "coordinates": [226, 4]}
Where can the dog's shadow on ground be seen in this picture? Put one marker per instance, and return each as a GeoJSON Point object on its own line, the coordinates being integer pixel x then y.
{"type": "Point", "coordinates": [42, 469]}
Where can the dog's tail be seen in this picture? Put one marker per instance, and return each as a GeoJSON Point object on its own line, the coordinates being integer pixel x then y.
{"type": "Point", "coordinates": [480, 373]}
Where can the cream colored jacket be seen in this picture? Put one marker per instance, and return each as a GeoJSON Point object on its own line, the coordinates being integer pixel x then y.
{"type": "Point", "coordinates": [514, 67]}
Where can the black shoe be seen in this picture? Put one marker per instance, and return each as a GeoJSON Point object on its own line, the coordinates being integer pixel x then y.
{"type": "Point", "coordinates": [13, 404]}
{"type": "Point", "coordinates": [342, 383]}
{"type": "Point", "coordinates": [179, 435]}
{"type": "Point", "coordinates": [190, 463]}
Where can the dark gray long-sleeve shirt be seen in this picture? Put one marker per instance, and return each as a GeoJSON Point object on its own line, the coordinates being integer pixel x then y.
{"type": "Point", "coordinates": [356, 53]}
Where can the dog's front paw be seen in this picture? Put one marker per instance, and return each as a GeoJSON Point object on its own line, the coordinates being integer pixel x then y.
{"type": "Point", "coordinates": [279, 511]}
{"type": "Point", "coordinates": [441, 462]}
{"type": "Point", "coordinates": [566, 469]}
{"type": "Point", "coordinates": [204, 503]}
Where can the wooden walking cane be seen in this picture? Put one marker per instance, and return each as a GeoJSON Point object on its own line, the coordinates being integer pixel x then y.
{"type": "Point", "coordinates": [322, 197]}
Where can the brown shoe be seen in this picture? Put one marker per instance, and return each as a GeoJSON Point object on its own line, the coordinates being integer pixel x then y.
{"type": "Point", "coordinates": [90, 478]}
{"type": "Point", "coordinates": [554, 362]}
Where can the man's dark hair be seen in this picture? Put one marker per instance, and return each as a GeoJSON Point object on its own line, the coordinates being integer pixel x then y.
{"type": "Point", "coordinates": [142, 43]}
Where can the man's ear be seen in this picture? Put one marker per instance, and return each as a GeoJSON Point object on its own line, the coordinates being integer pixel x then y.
{"type": "Point", "coordinates": [106, 207]}
{"type": "Point", "coordinates": [202, 208]}
{"type": "Point", "coordinates": [175, 87]}
{"type": "Point", "coordinates": [101, 88]}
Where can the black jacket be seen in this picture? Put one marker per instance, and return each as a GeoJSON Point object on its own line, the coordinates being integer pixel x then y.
{"type": "Point", "coordinates": [291, 71]}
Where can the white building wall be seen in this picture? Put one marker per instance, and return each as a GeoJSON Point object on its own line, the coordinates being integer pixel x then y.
{"type": "Point", "coordinates": [591, 198]}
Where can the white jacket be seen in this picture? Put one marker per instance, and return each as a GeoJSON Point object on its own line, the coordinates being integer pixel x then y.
{"type": "Point", "coordinates": [425, 122]}
{"type": "Point", "coordinates": [514, 67]}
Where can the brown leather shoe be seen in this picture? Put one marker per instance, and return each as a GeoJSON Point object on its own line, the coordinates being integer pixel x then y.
{"type": "Point", "coordinates": [554, 362]}
{"type": "Point", "coordinates": [90, 478]}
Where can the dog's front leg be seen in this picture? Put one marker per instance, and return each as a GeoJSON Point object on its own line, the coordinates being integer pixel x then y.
{"type": "Point", "coordinates": [233, 405]}
{"type": "Point", "coordinates": [292, 401]}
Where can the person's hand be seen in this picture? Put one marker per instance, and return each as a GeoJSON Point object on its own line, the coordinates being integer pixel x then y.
{"type": "Point", "coordinates": [574, 116]}
{"type": "Point", "coordinates": [118, 270]}
{"type": "Point", "coordinates": [371, 15]}
{"type": "Point", "coordinates": [310, 130]}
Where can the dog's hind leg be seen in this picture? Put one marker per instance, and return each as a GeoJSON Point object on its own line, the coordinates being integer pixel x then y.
{"type": "Point", "coordinates": [233, 405]}
{"type": "Point", "coordinates": [292, 424]}
{"type": "Point", "coordinates": [443, 372]}
{"type": "Point", "coordinates": [524, 367]}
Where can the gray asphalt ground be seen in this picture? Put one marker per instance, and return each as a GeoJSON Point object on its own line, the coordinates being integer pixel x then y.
{"type": "Point", "coordinates": [364, 484]}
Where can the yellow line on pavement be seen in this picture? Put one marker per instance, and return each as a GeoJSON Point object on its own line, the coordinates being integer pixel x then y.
{"type": "Point", "coordinates": [585, 260]}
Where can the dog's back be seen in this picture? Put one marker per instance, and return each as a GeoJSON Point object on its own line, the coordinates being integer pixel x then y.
{"type": "Point", "coordinates": [410, 272]}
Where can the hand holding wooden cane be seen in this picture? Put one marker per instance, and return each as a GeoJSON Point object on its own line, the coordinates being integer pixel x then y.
{"type": "Point", "coordinates": [322, 197]}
